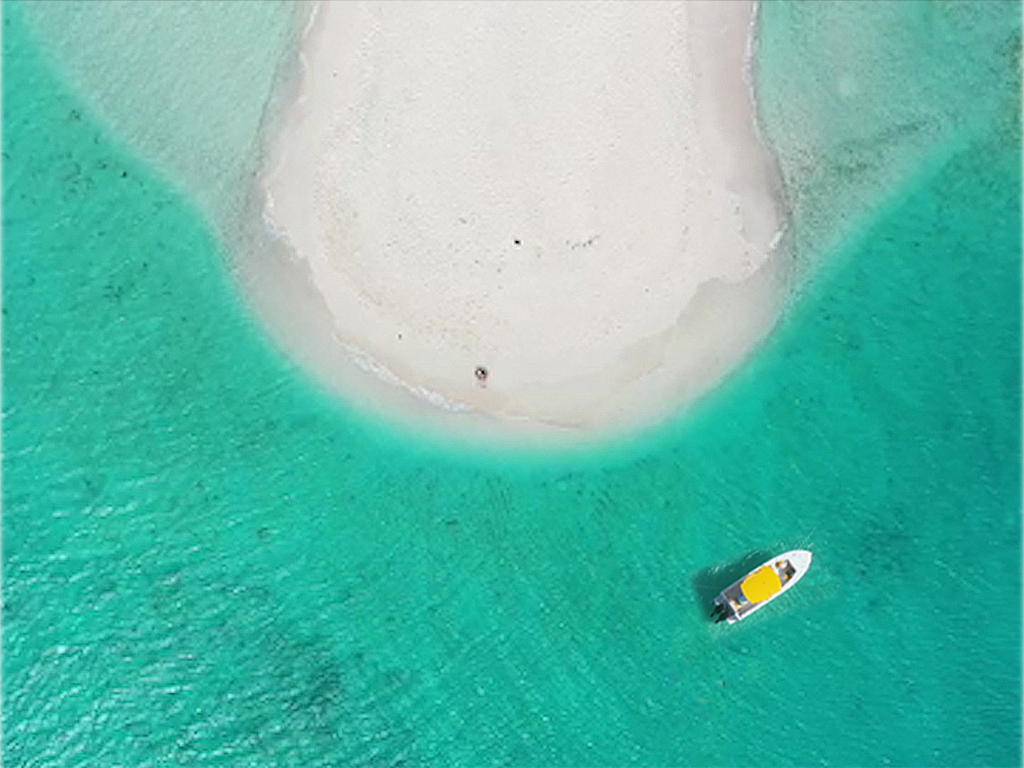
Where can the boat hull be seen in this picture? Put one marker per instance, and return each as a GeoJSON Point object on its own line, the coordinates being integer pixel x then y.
{"type": "Point", "coordinates": [733, 604]}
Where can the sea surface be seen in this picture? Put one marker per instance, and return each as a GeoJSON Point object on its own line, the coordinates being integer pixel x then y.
{"type": "Point", "coordinates": [207, 560]}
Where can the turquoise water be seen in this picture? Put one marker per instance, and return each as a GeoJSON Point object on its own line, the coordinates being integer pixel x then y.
{"type": "Point", "coordinates": [207, 561]}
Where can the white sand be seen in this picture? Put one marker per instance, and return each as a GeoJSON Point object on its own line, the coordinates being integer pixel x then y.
{"type": "Point", "coordinates": [571, 195]}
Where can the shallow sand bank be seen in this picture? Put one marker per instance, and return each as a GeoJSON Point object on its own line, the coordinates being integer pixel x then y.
{"type": "Point", "coordinates": [570, 196]}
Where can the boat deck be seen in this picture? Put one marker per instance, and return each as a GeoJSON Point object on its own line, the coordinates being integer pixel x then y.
{"type": "Point", "coordinates": [765, 584]}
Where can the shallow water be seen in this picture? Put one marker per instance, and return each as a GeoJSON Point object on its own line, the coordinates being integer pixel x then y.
{"type": "Point", "coordinates": [207, 560]}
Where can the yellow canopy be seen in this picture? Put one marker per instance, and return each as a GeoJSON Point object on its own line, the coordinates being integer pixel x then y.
{"type": "Point", "coordinates": [761, 584]}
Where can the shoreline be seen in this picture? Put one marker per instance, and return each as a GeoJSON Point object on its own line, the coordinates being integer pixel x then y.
{"type": "Point", "coordinates": [551, 236]}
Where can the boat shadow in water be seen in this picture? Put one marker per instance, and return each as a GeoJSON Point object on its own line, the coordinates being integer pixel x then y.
{"type": "Point", "coordinates": [708, 582]}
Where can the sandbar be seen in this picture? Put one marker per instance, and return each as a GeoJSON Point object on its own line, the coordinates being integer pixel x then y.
{"type": "Point", "coordinates": [524, 219]}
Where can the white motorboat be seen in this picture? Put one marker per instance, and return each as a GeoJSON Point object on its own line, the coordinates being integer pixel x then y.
{"type": "Point", "coordinates": [761, 586]}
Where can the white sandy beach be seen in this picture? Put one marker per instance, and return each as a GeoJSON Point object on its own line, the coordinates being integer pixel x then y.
{"type": "Point", "coordinates": [570, 196]}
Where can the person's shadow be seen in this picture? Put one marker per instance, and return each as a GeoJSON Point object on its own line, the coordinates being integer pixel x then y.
{"type": "Point", "coordinates": [708, 582]}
